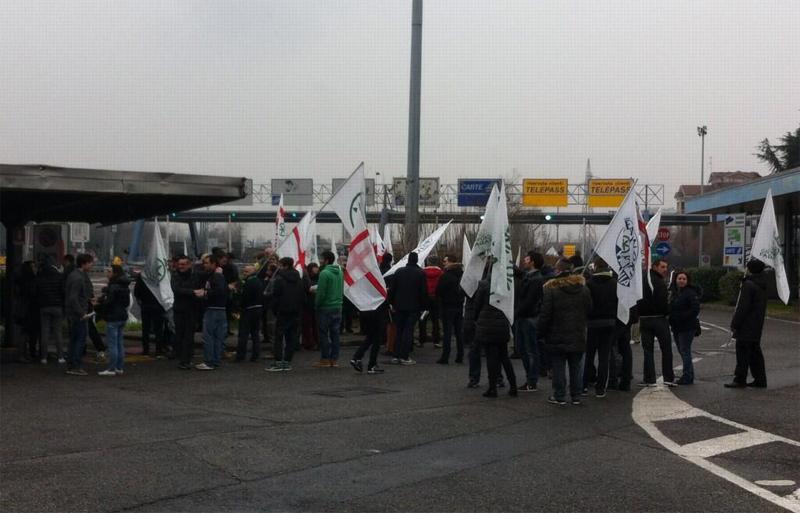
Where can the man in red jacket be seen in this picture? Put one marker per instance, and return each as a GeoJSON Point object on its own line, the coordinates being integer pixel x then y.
{"type": "Point", "coordinates": [433, 271]}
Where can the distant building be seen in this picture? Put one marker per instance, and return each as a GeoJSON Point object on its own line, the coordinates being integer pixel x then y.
{"type": "Point", "coordinates": [716, 181]}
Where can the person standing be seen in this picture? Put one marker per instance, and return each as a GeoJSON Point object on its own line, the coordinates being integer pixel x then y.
{"type": "Point", "coordinates": [328, 302]}
{"type": "Point", "coordinates": [215, 323]}
{"type": "Point", "coordinates": [184, 282]}
{"type": "Point", "coordinates": [287, 299]}
{"type": "Point", "coordinates": [653, 323]}
{"type": "Point", "coordinates": [27, 310]}
{"type": "Point", "coordinates": [746, 327]}
{"type": "Point", "coordinates": [433, 273]}
{"type": "Point", "coordinates": [406, 297]}
{"type": "Point", "coordinates": [116, 300]}
{"type": "Point", "coordinates": [50, 294]}
{"type": "Point", "coordinates": [566, 304]}
{"type": "Point", "coordinates": [602, 326]}
{"type": "Point", "coordinates": [152, 317]}
{"type": "Point", "coordinates": [250, 316]}
{"type": "Point", "coordinates": [526, 315]}
{"type": "Point", "coordinates": [492, 330]}
{"type": "Point", "coordinates": [684, 311]}
{"type": "Point", "coordinates": [372, 328]}
{"type": "Point", "coordinates": [451, 299]}
{"type": "Point", "coordinates": [78, 297]}
{"type": "Point", "coordinates": [310, 330]}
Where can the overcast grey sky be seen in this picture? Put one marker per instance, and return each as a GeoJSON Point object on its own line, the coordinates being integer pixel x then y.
{"type": "Point", "coordinates": [309, 89]}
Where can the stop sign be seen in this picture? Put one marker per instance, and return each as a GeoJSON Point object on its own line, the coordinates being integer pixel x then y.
{"type": "Point", "coordinates": [663, 234]}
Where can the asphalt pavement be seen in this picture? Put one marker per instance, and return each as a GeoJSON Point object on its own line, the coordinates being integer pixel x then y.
{"type": "Point", "coordinates": [413, 439]}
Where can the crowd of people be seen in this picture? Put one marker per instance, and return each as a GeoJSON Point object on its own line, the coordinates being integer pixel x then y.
{"type": "Point", "coordinates": [565, 323]}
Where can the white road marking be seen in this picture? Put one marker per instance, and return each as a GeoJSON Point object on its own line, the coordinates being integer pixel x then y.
{"type": "Point", "coordinates": [726, 330]}
{"type": "Point", "coordinates": [655, 404]}
{"type": "Point", "coordinates": [775, 482]}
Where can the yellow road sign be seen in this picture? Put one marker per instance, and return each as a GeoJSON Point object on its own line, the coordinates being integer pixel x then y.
{"type": "Point", "coordinates": [545, 192]}
{"type": "Point", "coordinates": [608, 192]}
{"type": "Point", "coordinates": [569, 250]}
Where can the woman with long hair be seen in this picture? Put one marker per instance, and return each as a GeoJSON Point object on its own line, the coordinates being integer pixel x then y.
{"type": "Point", "coordinates": [115, 304]}
{"type": "Point", "coordinates": [684, 320]}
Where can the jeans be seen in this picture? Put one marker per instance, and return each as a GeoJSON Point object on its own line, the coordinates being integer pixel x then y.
{"type": "Point", "coordinates": [684, 342]}
{"type": "Point", "coordinates": [286, 334]}
{"type": "Point", "coordinates": [184, 336]}
{"type": "Point", "coordinates": [215, 329]}
{"type": "Point", "coordinates": [573, 361]}
{"type": "Point", "coordinates": [371, 323]}
{"type": "Point", "coordinates": [453, 325]}
{"type": "Point", "coordinates": [116, 345]}
{"type": "Point", "coordinates": [656, 327]}
{"type": "Point", "coordinates": [598, 340]}
{"type": "Point", "coordinates": [433, 316]}
{"type": "Point", "coordinates": [749, 356]}
{"type": "Point", "coordinates": [51, 318]}
{"type": "Point", "coordinates": [405, 333]}
{"type": "Point", "coordinates": [527, 346]}
{"type": "Point", "coordinates": [77, 342]}
{"type": "Point", "coordinates": [330, 324]}
{"type": "Point", "coordinates": [249, 327]}
{"type": "Point", "coordinates": [497, 355]}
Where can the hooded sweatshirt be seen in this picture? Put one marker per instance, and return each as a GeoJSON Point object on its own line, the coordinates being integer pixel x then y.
{"type": "Point", "coordinates": [288, 292]}
{"type": "Point", "coordinates": [448, 289]}
{"type": "Point", "coordinates": [330, 288]}
{"type": "Point", "coordinates": [117, 299]}
{"type": "Point", "coordinates": [748, 319]}
{"type": "Point", "coordinates": [566, 305]}
{"type": "Point", "coordinates": [603, 288]}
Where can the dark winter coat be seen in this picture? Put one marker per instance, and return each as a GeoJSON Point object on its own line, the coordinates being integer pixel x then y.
{"type": "Point", "coordinates": [491, 325]}
{"type": "Point", "coordinates": [470, 314]}
{"type": "Point", "coordinates": [449, 288]}
{"type": "Point", "coordinates": [231, 273]}
{"type": "Point", "coordinates": [603, 288]}
{"type": "Point", "coordinates": [566, 304]}
{"type": "Point", "coordinates": [654, 303]}
{"type": "Point", "coordinates": [216, 291]}
{"type": "Point", "coordinates": [117, 300]}
{"type": "Point", "coordinates": [183, 287]}
{"type": "Point", "coordinates": [50, 287]}
{"type": "Point", "coordinates": [79, 292]}
{"type": "Point", "coordinates": [530, 296]}
{"type": "Point", "coordinates": [288, 292]}
{"type": "Point", "coordinates": [252, 293]}
{"type": "Point", "coordinates": [684, 309]}
{"type": "Point", "coordinates": [748, 319]}
{"type": "Point", "coordinates": [145, 296]}
{"type": "Point", "coordinates": [409, 291]}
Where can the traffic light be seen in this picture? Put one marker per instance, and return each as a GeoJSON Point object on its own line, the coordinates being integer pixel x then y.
{"type": "Point", "coordinates": [294, 215]}
{"type": "Point", "coordinates": [548, 217]}
{"type": "Point", "coordinates": [233, 214]}
{"type": "Point", "coordinates": [173, 214]}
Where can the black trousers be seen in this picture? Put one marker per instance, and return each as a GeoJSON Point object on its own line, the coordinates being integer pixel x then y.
{"type": "Point", "coordinates": [433, 316]}
{"type": "Point", "coordinates": [348, 312]}
{"type": "Point", "coordinates": [622, 375]}
{"type": "Point", "coordinates": [152, 324]}
{"type": "Point", "coordinates": [598, 340]}
{"type": "Point", "coordinates": [453, 320]}
{"type": "Point", "coordinates": [749, 356]}
{"type": "Point", "coordinates": [249, 328]}
{"type": "Point", "coordinates": [286, 336]}
{"type": "Point", "coordinates": [184, 336]}
{"type": "Point", "coordinates": [371, 324]}
{"type": "Point", "coordinates": [656, 328]}
{"type": "Point", "coordinates": [497, 356]}
{"type": "Point", "coordinates": [94, 335]}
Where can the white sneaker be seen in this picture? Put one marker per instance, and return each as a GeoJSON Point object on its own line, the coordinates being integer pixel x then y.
{"type": "Point", "coordinates": [107, 373]}
{"type": "Point", "coordinates": [396, 361]}
{"type": "Point", "coordinates": [119, 372]}
{"type": "Point", "coordinates": [43, 361]}
{"type": "Point", "coordinates": [203, 367]}
{"type": "Point", "coordinates": [408, 362]}
{"type": "Point", "coordinates": [62, 361]}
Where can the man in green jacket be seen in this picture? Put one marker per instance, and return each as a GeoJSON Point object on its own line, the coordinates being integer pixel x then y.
{"type": "Point", "coordinates": [328, 303]}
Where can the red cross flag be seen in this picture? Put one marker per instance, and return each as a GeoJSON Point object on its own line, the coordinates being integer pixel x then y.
{"type": "Point", "coordinates": [301, 243]}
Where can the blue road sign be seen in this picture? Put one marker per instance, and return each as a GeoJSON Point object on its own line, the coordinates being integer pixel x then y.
{"type": "Point", "coordinates": [475, 193]}
{"type": "Point", "coordinates": [663, 248]}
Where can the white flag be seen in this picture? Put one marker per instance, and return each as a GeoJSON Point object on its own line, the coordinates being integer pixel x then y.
{"type": "Point", "coordinates": [300, 244]}
{"type": "Point", "coordinates": [465, 250]}
{"type": "Point", "coordinates": [156, 270]}
{"type": "Point", "coordinates": [422, 250]}
{"type": "Point", "coordinates": [185, 250]}
{"type": "Point", "coordinates": [280, 225]}
{"type": "Point", "coordinates": [519, 256]}
{"type": "Point", "coordinates": [333, 247]}
{"type": "Point", "coordinates": [552, 252]}
{"type": "Point", "coordinates": [767, 247]}
{"type": "Point", "coordinates": [493, 242]}
{"type": "Point", "coordinates": [621, 248]}
{"type": "Point", "coordinates": [364, 285]}
{"type": "Point", "coordinates": [653, 225]}
{"type": "Point", "coordinates": [377, 243]}
{"type": "Point", "coordinates": [387, 238]}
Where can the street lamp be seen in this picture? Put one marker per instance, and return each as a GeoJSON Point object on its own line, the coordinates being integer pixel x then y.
{"type": "Point", "coordinates": [702, 131]}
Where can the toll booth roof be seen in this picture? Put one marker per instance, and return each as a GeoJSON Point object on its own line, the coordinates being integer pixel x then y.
{"type": "Point", "coordinates": [749, 196]}
{"type": "Point", "coordinates": [48, 193]}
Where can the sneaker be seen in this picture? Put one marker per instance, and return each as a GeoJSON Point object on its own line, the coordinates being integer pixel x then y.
{"type": "Point", "coordinates": [512, 392]}
{"type": "Point", "coordinates": [585, 392]}
{"type": "Point", "coordinates": [204, 367]}
{"type": "Point", "coordinates": [576, 401]}
{"type": "Point", "coordinates": [492, 392]}
{"type": "Point", "coordinates": [275, 367]}
{"type": "Point", "coordinates": [501, 384]}
{"type": "Point", "coordinates": [119, 372]}
{"type": "Point", "coordinates": [600, 394]}
{"type": "Point", "coordinates": [437, 345]}
{"type": "Point", "coordinates": [77, 372]}
{"type": "Point", "coordinates": [752, 384]}
{"type": "Point", "coordinates": [43, 361]}
{"type": "Point", "coordinates": [322, 364]}
{"type": "Point", "coordinates": [395, 361]}
{"type": "Point", "coordinates": [62, 361]}
{"type": "Point", "coordinates": [735, 384]}
{"type": "Point", "coordinates": [356, 364]}
{"type": "Point", "coordinates": [184, 366]}
{"type": "Point", "coordinates": [670, 384]}
{"type": "Point", "coordinates": [375, 370]}
{"type": "Point", "coordinates": [683, 381]}
{"type": "Point", "coordinates": [408, 362]}
{"type": "Point", "coordinates": [107, 373]}
{"type": "Point", "coordinates": [528, 388]}
{"type": "Point", "coordinates": [553, 400]}
{"type": "Point", "coordinates": [473, 384]}
{"type": "Point", "coordinates": [645, 385]}
{"type": "Point", "coordinates": [287, 366]}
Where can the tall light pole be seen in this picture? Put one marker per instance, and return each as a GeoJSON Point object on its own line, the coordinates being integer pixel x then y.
{"type": "Point", "coordinates": [702, 131]}
{"type": "Point", "coordinates": [412, 171]}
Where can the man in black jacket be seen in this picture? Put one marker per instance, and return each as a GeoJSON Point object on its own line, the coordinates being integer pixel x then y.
{"type": "Point", "coordinates": [406, 297]}
{"type": "Point", "coordinates": [602, 326]}
{"type": "Point", "coordinates": [50, 296]}
{"type": "Point", "coordinates": [451, 299]}
{"type": "Point", "coordinates": [152, 317]}
{"type": "Point", "coordinates": [215, 324]}
{"type": "Point", "coordinates": [287, 297]}
{"type": "Point", "coordinates": [653, 323]}
{"type": "Point", "coordinates": [746, 326]}
{"type": "Point", "coordinates": [526, 313]}
{"type": "Point", "coordinates": [252, 304]}
{"type": "Point", "coordinates": [184, 283]}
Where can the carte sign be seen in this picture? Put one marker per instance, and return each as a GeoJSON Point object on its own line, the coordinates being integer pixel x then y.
{"type": "Point", "coordinates": [475, 192]}
{"type": "Point", "coordinates": [545, 192]}
{"type": "Point", "coordinates": [607, 192]}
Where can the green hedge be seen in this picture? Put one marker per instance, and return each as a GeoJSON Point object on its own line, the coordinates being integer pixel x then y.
{"type": "Point", "coordinates": [707, 278]}
{"type": "Point", "coordinates": [729, 286]}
